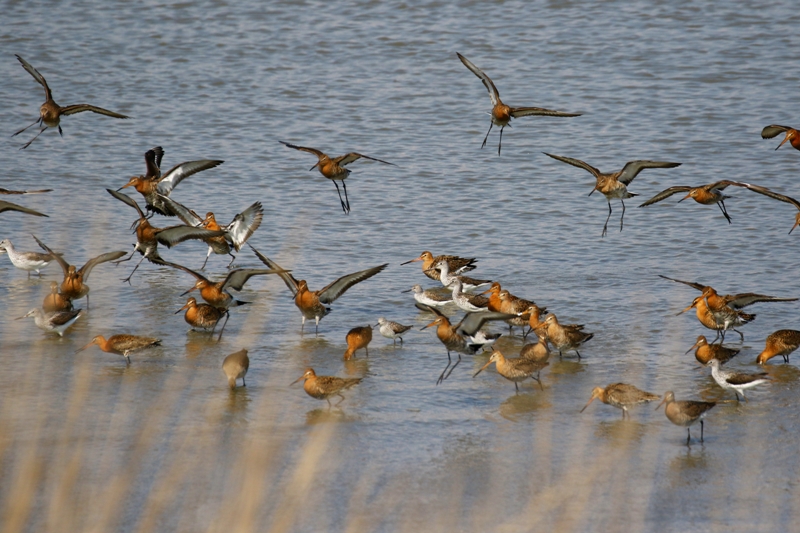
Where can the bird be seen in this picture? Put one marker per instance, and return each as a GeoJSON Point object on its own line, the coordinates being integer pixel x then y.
{"type": "Point", "coordinates": [234, 234]}
{"type": "Point", "coordinates": [8, 206]}
{"type": "Point", "coordinates": [782, 342]}
{"type": "Point", "coordinates": [621, 396]}
{"type": "Point", "coordinates": [516, 306]}
{"type": "Point", "coordinates": [456, 264]}
{"type": "Point", "coordinates": [392, 330]}
{"type": "Point", "coordinates": [685, 413]}
{"type": "Point", "coordinates": [235, 366]}
{"type": "Point", "coordinates": [430, 298]}
{"type": "Point", "coordinates": [9, 191]}
{"type": "Point", "coordinates": [447, 278]}
{"type": "Point", "coordinates": [738, 381]}
{"type": "Point", "coordinates": [782, 198]}
{"type": "Point", "coordinates": [471, 303]}
{"type": "Point", "coordinates": [357, 338]}
{"type": "Point", "coordinates": [74, 285]}
{"type": "Point", "coordinates": [203, 317]}
{"type": "Point", "coordinates": [463, 337]}
{"type": "Point", "coordinates": [514, 369]}
{"type": "Point", "coordinates": [702, 194]}
{"type": "Point", "coordinates": [792, 135]}
{"type": "Point", "coordinates": [705, 351]}
{"type": "Point", "coordinates": [501, 113]}
{"type": "Point", "coordinates": [50, 112]}
{"type": "Point", "coordinates": [53, 322]}
{"type": "Point", "coordinates": [614, 184]}
{"type": "Point", "coordinates": [216, 293]}
{"type": "Point", "coordinates": [334, 168]}
{"type": "Point", "coordinates": [123, 344]}
{"type": "Point", "coordinates": [538, 352]}
{"type": "Point", "coordinates": [534, 314]}
{"type": "Point", "coordinates": [565, 337]}
{"type": "Point", "coordinates": [707, 319]}
{"type": "Point", "coordinates": [28, 261]}
{"type": "Point", "coordinates": [148, 236]}
{"type": "Point", "coordinates": [312, 304]}
{"type": "Point", "coordinates": [323, 387]}
{"type": "Point", "coordinates": [154, 185]}
{"type": "Point", "coordinates": [55, 301]}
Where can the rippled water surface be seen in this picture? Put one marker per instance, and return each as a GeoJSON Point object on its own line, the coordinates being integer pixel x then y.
{"type": "Point", "coordinates": [163, 445]}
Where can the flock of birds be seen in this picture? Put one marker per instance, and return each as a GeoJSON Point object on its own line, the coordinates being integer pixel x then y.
{"type": "Point", "coordinates": [717, 313]}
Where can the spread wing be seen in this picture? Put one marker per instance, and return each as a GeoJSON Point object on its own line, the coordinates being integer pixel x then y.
{"type": "Point", "coordinates": [7, 191]}
{"type": "Point", "coordinates": [57, 257]}
{"type": "Point", "coordinates": [632, 169]}
{"type": "Point", "coordinates": [237, 278]}
{"type": "Point", "coordinates": [152, 160]}
{"type": "Point", "coordinates": [91, 263]}
{"type": "Point", "coordinates": [244, 225]}
{"type": "Point", "coordinates": [304, 149]}
{"type": "Point", "coordinates": [663, 195]}
{"type": "Point", "coordinates": [487, 81]}
{"type": "Point", "coordinates": [719, 185]}
{"type": "Point", "coordinates": [8, 206]}
{"type": "Point", "coordinates": [429, 309]}
{"type": "Point", "coordinates": [38, 77]}
{"type": "Point", "coordinates": [774, 195]}
{"type": "Point", "coordinates": [80, 108]}
{"type": "Point", "coordinates": [343, 160]}
{"type": "Point", "coordinates": [128, 200]}
{"type": "Point", "coordinates": [769, 132]}
{"type": "Point", "coordinates": [178, 173]}
{"type": "Point", "coordinates": [287, 278]}
{"type": "Point", "coordinates": [173, 235]}
{"type": "Point", "coordinates": [197, 276]}
{"type": "Point", "coordinates": [473, 322]}
{"type": "Point", "coordinates": [333, 290]}
{"type": "Point", "coordinates": [187, 216]}
{"type": "Point", "coordinates": [738, 301]}
{"type": "Point", "coordinates": [575, 163]}
{"type": "Point", "coordinates": [697, 286]}
{"type": "Point", "coordinates": [517, 112]}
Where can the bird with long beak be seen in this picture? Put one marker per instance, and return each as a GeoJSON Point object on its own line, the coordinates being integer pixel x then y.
{"type": "Point", "coordinates": [621, 396]}
{"type": "Point", "coordinates": [685, 413]}
{"type": "Point", "coordinates": [782, 342]}
{"type": "Point", "coordinates": [323, 387]}
{"type": "Point", "coordinates": [703, 194]}
{"type": "Point", "coordinates": [204, 317]}
{"type": "Point", "coordinates": [792, 135]}
{"type": "Point", "coordinates": [457, 265]}
{"type": "Point", "coordinates": [216, 293]}
{"type": "Point", "coordinates": [123, 345]}
{"type": "Point", "coordinates": [705, 352]}
{"type": "Point", "coordinates": [514, 369]}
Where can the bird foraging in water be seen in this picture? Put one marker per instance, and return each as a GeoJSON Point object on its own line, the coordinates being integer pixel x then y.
{"type": "Point", "coordinates": [392, 330]}
{"type": "Point", "coordinates": [685, 413]}
{"type": "Point", "coordinates": [738, 381]}
{"type": "Point", "coordinates": [50, 112]}
{"type": "Point", "coordinates": [514, 369]}
{"type": "Point", "coordinates": [323, 387]}
{"type": "Point", "coordinates": [357, 338]}
{"type": "Point", "coordinates": [705, 352]}
{"type": "Point", "coordinates": [28, 261]}
{"type": "Point", "coordinates": [621, 396]}
{"type": "Point", "coordinates": [54, 322]}
{"type": "Point", "coordinates": [782, 342]}
{"type": "Point", "coordinates": [123, 345]}
{"type": "Point", "coordinates": [204, 317]}
{"type": "Point", "coordinates": [235, 366]}
{"type": "Point", "coordinates": [564, 337]}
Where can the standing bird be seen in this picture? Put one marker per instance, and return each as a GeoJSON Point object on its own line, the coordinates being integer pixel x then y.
{"type": "Point", "coordinates": [233, 235]}
{"type": "Point", "coordinates": [8, 206]}
{"type": "Point", "coordinates": [781, 198]}
{"type": "Point", "coordinates": [703, 194]}
{"type": "Point", "coordinates": [154, 185]}
{"type": "Point", "coordinates": [447, 278]}
{"type": "Point", "coordinates": [55, 301]}
{"type": "Point", "coordinates": [471, 303]}
{"type": "Point", "coordinates": [538, 352]}
{"type": "Point", "coordinates": [54, 322]}
{"type": "Point", "coordinates": [50, 112]}
{"type": "Point", "coordinates": [514, 369]}
{"type": "Point", "coordinates": [203, 317]}
{"type": "Point", "coordinates": [334, 168]}
{"type": "Point", "coordinates": [312, 303]}
{"type": "Point", "coordinates": [792, 135]}
{"type": "Point", "coordinates": [456, 264]}
{"type": "Point", "coordinates": [685, 413]}
{"type": "Point", "coordinates": [235, 366]}
{"type": "Point", "coordinates": [123, 345]}
{"type": "Point", "coordinates": [621, 396]}
{"type": "Point", "coordinates": [323, 387]}
{"type": "Point", "coordinates": [28, 261]}
{"type": "Point", "coordinates": [216, 293]}
{"type": "Point", "coordinates": [707, 319]}
{"type": "Point", "coordinates": [781, 342]}
{"type": "Point", "coordinates": [74, 285]}
{"type": "Point", "coordinates": [430, 298]}
{"type": "Point", "coordinates": [738, 381]}
{"type": "Point", "coordinates": [392, 330]}
{"type": "Point", "coordinates": [357, 338]}
{"type": "Point", "coordinates": [501, 113]}
{"type": "Point", "coordinates": [705, 352]}
{"type": "Point", "coordinates": [614, 184]}
{"type": "Point", "coordinates": [565, 337]}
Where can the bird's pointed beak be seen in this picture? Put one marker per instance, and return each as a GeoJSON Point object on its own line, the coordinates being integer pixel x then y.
{"type": "Point", "coordinates": [677, 314]}
{"type": "Point", "coordinates": [685, 197]}
{"type": "Point", "coordinates": [188, 291]}
{"type": "Point", "coordinates": [409, 290]}
{"type": "Point", "coordinates": [182, 308]}
{"type": "Point", "coordinates": [298, 379]}
{"type": "Point", "coordinates": [783, 141]}
{"type": "Point", "coordinates": [796, 223]}
{"type": "Point", "coordinates": [662, 403]}
{"type": "Point", "coordinates": [82, 349]}
{"type": "Point", "coordinates": [315, 166]}
{"type": "Point", "coordinates": [407, 262]}
{"type": "Point", "coordinates": [489, 362]}
{"type": "Point", "coordinates": [587, 405]}
{"type": "Point", "coordinates": [692, 348]}
{"type": "Point", "coordinates": [429, 325]}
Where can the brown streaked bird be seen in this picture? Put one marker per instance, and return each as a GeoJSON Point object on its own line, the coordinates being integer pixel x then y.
{"type": "Point", "coordinates": [516, 306]}
{"type": "Point", "coordinates": [357, 338]}
{"type": "Point", "coordinates": [54, 322]}
{"type": "Point", "coordinates": [148, 236]}
{"type": "Point", "coordinates": [534, 314]}
{"type": "Point", "coordinates": [514, 369]}
{"type": "Point", "coordinates": [216, 293]}
{"type": "Point", "coordinates": [123, 345]}
{"type": "Point", "coordinates": [203, 317]}
{"type": "Point", "coordinates": [565, 337]}
{"type": "Point", "coordinates": [7, 191]}
{"type": "Point", "coordinates": [8, 206]}
{"type": "Point", "coordinates": [312, 303]}
{"type": "Point", "coordinates": [323, 387]}
{"type": "Point", "coordinates": [621, 396]}
{"type": "Point", "coordinates": [235, 366]}
{"type": "Point", "coordinates": [614, 184]}
{"type": "Point", "coordinates": [234, 235]}
{"type": "Point", "coordinates": [536, 351]}
{"type": "Point", "coordinates": [50, 112]}
{"type": "Point", "coordinates": [781, 342]}
{"type": "Point", "coordinates": [781, 198]}
{"type": "Point", "coordinates": [707, 319]}
{"type": "Point", "coordinates": [792, 135]}
{"type": "Point", "coordinates": [392, 330]}
{"type": "Point", "coordinates": [705, 352]}
{"type": "Point", "coordinates": [446, 278]}
{"type": "Point", "coordinates": [738, 381]}
{"type": "Point", "coordinates": [464, 337]}
{"type": "Point", "coordinates": [28, 261]}
{"type": "Point", "coordinates": [334, 168]}
{"type": "Point", "coordinates": [494, 296]}
{"type": "Point", "coordinates": [55, 301]}
{"type": "Point", "coordinates": [74, 285]}
{"type": "Point", "coordinates": [685, 413]}
{"type": "Point", "coordinates": [702, 194]}
{"type": "Point", "coordinates": [154, 185]}
{"type": "Point", "coordinates": [456, 264]}
{"type": "Point", "coordinates": [501, 113]}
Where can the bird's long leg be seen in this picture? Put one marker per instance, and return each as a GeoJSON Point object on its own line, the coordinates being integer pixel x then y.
{"type": "Point", "coordinates": [128, 279]}
{"type": "Point", "coordinates": [623, 214]}
{"type": "Point", "coordinates": [37, 121]}
{"type": "Point", "coordinates": [206, 261]}
{"type": "Point", "coordinates": [227, 316]}
{"type": "Point", "coordinates": [344, 206]}
{"type": "Point", "coordinates": [127, 258]}
{"type": "Point", "coordinates": [34, 138]}
{"type": "Point", "coordinates": [346, 199]}
{"type": "Point", "coordinates": [538, 380]}
{"type": "Point", "coordinates": [233, 258]}
{"type": "Point", "coordinates": [689, 434]}
{"type": "Point", "coordinates": [579, 354]}
{"type": "Point", "coordinates": [487, 135]}
{"type": "Point", "coordinates": [340, 401]}
{"type": "Point", "coordinates": [516, 388]}
{"type": "Point", "coordinates": [740, 333]}
{"type": "Point", "coordinates": [605, 227]}
{"type": "Point", "coordinates": [701, 431]}
{"type": "Point", "coordinates": [441, 376]}
{"type": "Point", "coordinates": [721, 205]}
{"type": "Point", "coordinates": [500, 144]}
{"type": "Point", "coordinates": [453, 367]}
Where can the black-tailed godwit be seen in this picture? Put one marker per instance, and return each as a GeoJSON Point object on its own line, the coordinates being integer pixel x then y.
{"type": "Point", "coordinates": [123, 345]}
{"type": "Point", "coordinates": [792, 135]}
{"type": "Point", "coordinates": [235, 366]}
{"type": "Point", "coordinates": [685, 413]}
{"type": "Point", "coordinates": [781, 342]}
{"type": "Point", "coordinates": [357, 338]}
{"type": "Point", "coordinates": [514, 369]}
{"type": "Point", "coordinates": [702, 194]}
{"type": "Point", "coordinates": [323, 387]}
{"type": "Point", "coordinates": [456, 264]}
{"type": "Point", "coordinates": [621, 396]}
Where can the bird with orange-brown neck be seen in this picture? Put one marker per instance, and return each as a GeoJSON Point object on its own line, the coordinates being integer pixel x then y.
{"type": "Point", "coordinates": [357, 338]}
{"type": "Point", "coordinates": [779, 343]}
{"type": "Point", "coordinates": [791, 135]}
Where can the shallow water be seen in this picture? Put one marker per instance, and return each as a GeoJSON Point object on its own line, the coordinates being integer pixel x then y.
{"type": "Point", "coordinates": [686, 82]}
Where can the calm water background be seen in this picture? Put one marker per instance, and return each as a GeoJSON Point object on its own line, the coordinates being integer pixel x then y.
{"type": "Point", "coordinates": [688, 81]}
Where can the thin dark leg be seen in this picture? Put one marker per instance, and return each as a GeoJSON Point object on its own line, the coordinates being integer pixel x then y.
{"type": "Point", "coordinates": [243, 383]}
{"type": "Point", "coordinates": [500, 144]}
{"type": "Point", "coordinates": [340, 401]}
{"type": "Point", "coordinates": [206, 261]}
{"type": "Point", "coordinates": [516, 388]}
{"type": "Point", "coordinates": [701, 431]}
{"type": "Point", "coordinates": [538, 380]}
{"type": "Point", "coordinates": [605, 227]}
{"type": "Point", "coordinates": [623, 213]}
{"type": "Point", "coordinates": [721, 205]}
{"type": "Point", "coordinates": [484, 139]}
{"type": "Point", "coordinates": [233, 258]}
{"type": "Point", "coordinates": [715, 337]}
{"type": "Point", "coordinates": [579, 354]}
{"type": "Point", "coordinates": [346, 199]}
{"type": "Point", "coordinates": [34, 138]}
{"type": "Point", "coordinates": [37, 121]}
{"type": "Point", "coordinates": [227, 316]}
{"type": "Point", "coordinates": [740, 333]}
{"type": "Point", "coordinates": [441, 376]}
{"type": "Point", "coordinates": [59, 131]}
{"type": "Point", "coordinates": [344, 206]}
{"type": "Point", "coordinates": [689, 435]}
{"type": "Point", "coordinates": [128, 279]}
{"type": "Point", "coordinates": [453, 367]}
